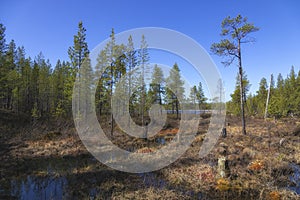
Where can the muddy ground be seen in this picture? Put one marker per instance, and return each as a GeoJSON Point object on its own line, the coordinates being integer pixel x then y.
{"type": "Point", "coordinates": [43, 161]}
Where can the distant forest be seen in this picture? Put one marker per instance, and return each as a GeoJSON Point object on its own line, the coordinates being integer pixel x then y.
{"type": "Point", "coordinates": [284, 96]}
{"type": "Point", "coordinates": [34, 87]}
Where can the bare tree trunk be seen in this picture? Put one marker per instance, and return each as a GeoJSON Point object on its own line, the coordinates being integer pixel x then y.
{"type": "Point", "coordinates": [79, 86]}
{"type": "Point", "coordinates": [143, 97]}
{"type": "Point", "coordinates": [111, 92]}
{"type": "Point", "coordinates": [129, 94]}
{"type": "Point", "coordinates": [177, 109]}
{"type": "Point", "coordinates": [143, 104]}
{"type": "Point", "coordinates": [268, 98]}
{"type": "Point", "coordinates": [18, 99]}
{"type": "Point", "coordinates": [241, 89]}
{"type": "Point", "coordinates": [173, 111]}
{"type": "Point", "coordinates": [160, 102]}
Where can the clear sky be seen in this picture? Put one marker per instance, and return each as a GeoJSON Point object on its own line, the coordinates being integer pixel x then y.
{"type": "Point", "coordinates": [49, 26]}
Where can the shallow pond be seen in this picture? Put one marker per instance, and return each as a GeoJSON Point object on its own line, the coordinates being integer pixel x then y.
{"type": "Point", "coordinates": [33, 187]}
{"type": "Point", "coordinates": [87, 185]}
{"type": "Point", "coordinates": [295, 178]}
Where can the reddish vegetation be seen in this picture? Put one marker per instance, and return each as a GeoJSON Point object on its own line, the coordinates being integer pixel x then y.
{"type": "Point", "coordinates": [274, 195]}
{"type": "Point", "coordinates": [170, 131]}
{"type": "Point", "coordinates": [145, 150]}
{"type": "Point", "coordinates": [256, 165]}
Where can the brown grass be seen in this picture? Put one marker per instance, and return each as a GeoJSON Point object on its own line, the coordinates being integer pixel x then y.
{"type": "Point", "coordinates": [259, 163]}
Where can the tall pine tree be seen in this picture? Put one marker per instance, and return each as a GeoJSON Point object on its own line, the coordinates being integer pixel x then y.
{"type": "Point", "coordinates": [77, 54]}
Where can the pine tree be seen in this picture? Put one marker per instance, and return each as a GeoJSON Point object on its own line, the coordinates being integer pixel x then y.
{"type": "Point", "coordinates": [68, 77]}
{"type": "Point", "coordinates": [236, 29]}
{"type": "Point", "coordinates": [20, 62]}
{"type": "Point", "coordinates": [131, 61]}
{"type": "Point", "coordinates": [111, 55]}
{"type": "Point", "coordinates": [102, 90]}
{"type": "Point", "coordinates": [86, 87]}
{"type": "Point", "coordinates": [26, 103]}
{"type": "Point", "coordinates": [34, 88]}
{"type": "Point", "coordinates": [43, 86]}
{"type": "Point", "coordinates": [3, 67]}
{"type": "Point", "coordinates": [11, 76]}
{"type": "Point", "coordinates": [2, 42]}
{"type": "Point", "coordinates": [143, 56]}
{"type": "Point", "coordinates": [111, 64]}
{"type": "Point", "coordinates": [77, 54]}
{"type": "Point", "coordinates": [79, 51]}
{"type": "Point", "coordinates": [61, 91]}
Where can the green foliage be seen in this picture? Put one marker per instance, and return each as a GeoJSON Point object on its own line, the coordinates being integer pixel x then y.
{"type": "Point", "coordinates": [262, 96]}
{"type": "Point", "coordinates": [237, 27]}
{"type": "Point", "coordinates": [197, 96]}
{"type": "Point", "coordinates": [143, 59]}
{"type": "Point", "coordinates": [79, 56]}
{"type": "Point", "coordinates": [193, 94]}
{"type": "Point", "coordinates": [284, 97]}
{"type": "Point", "coordinates": [236, 31]}
{"type": "Point", "coordinates": [34, 112]}
{"type": "Point", "coordinates": [156, 89]}
{"type": "Point", "coordinates": [59, 110]}
{"type": "Point", "coordinates": [200, 96]}
{"type": "Point", "coordinates": [234, 105]}
{"type": "Point", "coordinates": [34, 87]}
{"type": "Point", "coordinates": [174, 89]}
{"type": "Point", "coordinates": [2, 40]}
{"type": "Point", "coordinates": [79, 51]}
{"type": "Point", "coordinates": [111, 63]}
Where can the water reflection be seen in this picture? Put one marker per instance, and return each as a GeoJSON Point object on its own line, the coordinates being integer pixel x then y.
{"type": "Point", "coordinates": [34, 187]}
{"type": "Point", "coordinates": [295, 178]}
{"type": "Point", "coordinates": [83, 178]}
{"type": "Point", "coordinates": [161, 140]}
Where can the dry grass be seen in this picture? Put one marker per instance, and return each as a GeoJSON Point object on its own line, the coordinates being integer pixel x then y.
{"type": "Point", "coordinates": [150, 193]}
{"type": "Point", "coordinates": [259, 162]}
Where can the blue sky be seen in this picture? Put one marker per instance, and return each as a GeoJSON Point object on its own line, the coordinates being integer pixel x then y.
{"type": "Point", "coordinates": [49, 26]}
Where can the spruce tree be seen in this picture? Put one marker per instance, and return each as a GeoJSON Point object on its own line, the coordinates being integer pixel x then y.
{"type": "Point", "coordinates": [156, 89]}
{"type": "Point", "coordinates": [175, 89]}
{"type": "Point", "coordinates": [262, 96]}
{"type": "Point", "coordinates": [234, 105]}
{"type": "Point", "coordinates": [200, 96]}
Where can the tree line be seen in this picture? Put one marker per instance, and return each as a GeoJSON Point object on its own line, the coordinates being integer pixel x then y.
{"type": "Point", "coordinates": [34, 87]}
{"type": "Point", "coordinates": [284, 96]}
